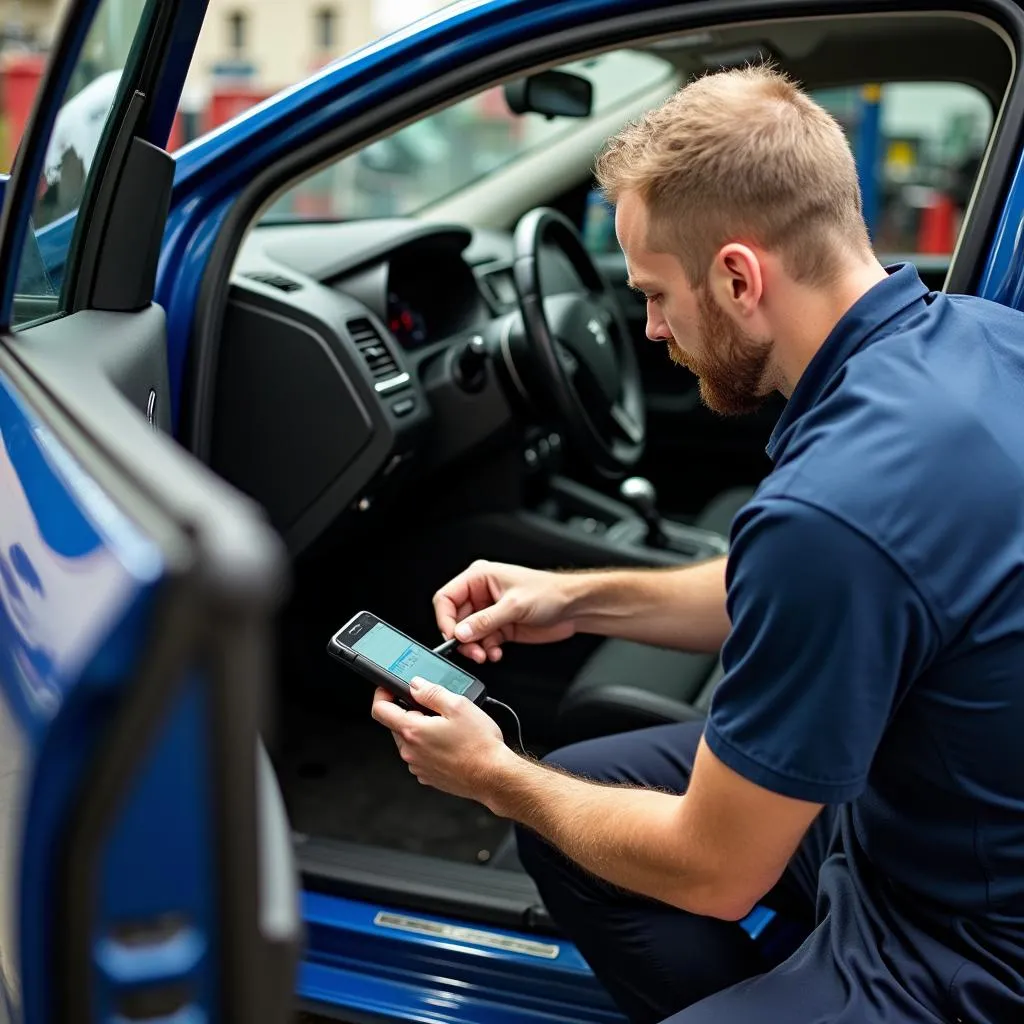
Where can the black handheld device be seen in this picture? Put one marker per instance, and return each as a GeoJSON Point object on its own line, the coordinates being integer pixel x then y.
{"type": "Point", "coordinates": [386, 656]}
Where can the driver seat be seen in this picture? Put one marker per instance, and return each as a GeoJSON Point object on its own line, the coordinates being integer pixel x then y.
{"type": "Point", "coordinates": [626, 685]}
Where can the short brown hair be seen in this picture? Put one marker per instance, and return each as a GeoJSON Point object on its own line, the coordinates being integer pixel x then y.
{"type": "Point", "coordinates": [742, 155]}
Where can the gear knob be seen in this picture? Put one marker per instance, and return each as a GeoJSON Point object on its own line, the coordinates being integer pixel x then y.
{"type": "Point", "coordinates": [639, 493]}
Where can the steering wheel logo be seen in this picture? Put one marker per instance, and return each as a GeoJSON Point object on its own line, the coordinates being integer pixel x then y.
{"type": "Point", "coordinates": [597, 331]}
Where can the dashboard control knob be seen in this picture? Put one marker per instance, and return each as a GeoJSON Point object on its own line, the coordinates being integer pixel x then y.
{"type": "Point", "coordinates": [471, 364]}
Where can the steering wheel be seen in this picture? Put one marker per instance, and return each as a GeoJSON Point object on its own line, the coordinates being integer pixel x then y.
{"type": "Point", "coordinates": [575, 346]}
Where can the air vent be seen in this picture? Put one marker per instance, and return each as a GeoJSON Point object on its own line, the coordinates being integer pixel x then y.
{"type": "Point", "coordinates": [386, 375]}
{"type": "Point", "coordinates": [279, 281]}
{"type": "Point", "coordinates": [501, 287]}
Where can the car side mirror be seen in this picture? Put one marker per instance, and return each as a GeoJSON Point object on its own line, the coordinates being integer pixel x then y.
{"type": "Point", "coordinates": [551, 93]}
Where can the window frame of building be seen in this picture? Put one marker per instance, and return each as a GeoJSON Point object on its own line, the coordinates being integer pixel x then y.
{"type": "Point", "coordinates": [326, 20]}
{"type": "Point", "coordinates": [238, 22]}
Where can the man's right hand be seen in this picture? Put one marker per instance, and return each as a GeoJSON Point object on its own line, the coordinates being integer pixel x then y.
{"type": "Point", "coordinates": [491, 603]}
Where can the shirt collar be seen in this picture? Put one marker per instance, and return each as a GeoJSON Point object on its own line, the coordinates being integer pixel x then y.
{"type": "Point", "coordinates": [874, 309]}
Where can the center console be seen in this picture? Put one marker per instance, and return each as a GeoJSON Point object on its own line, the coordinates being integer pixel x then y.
{"type": "Point", "coordinates": [631, 526]}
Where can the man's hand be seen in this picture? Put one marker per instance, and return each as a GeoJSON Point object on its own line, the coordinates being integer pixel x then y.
{"type": "Point", "coordinates": [460, 751]}
{"type": "Point", "coordinates": [491, 603]}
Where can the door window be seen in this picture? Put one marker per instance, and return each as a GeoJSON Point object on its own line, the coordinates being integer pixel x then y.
{"type": "Point", "coordinates": [919, 147]}
{"type": "Point", "coordinates": [84, 116]}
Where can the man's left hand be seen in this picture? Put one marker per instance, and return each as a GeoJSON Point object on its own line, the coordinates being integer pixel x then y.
{"type": "Point", "coordinates": [459, 750]}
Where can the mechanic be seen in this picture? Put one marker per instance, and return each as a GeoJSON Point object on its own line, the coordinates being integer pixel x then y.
{"type": "Point", "coordinates": [860, 769]}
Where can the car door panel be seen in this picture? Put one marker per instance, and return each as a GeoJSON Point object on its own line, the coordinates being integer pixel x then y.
{"type": "Point", "coordinates": [122, 353]}
{"type": "Point", "coordinates": [119, 628]}
{"type": "Point", "coordinates": [146, 849]}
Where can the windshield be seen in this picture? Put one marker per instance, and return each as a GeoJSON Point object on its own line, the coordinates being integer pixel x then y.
{"type": "Point", "coordinates": [441, 154]}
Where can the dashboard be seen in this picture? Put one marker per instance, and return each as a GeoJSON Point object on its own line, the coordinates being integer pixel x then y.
{"type": "Point", "coordinates": [338, 371]}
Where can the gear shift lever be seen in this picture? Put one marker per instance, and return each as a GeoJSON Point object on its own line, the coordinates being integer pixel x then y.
{"type": "Point", "coordinates": [639, 493]}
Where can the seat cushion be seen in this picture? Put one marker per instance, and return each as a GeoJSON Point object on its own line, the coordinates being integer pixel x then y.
{"type": "Point", "coordinates": [719, 513]}
{"type": "Point", "coordinates": [626, 685]}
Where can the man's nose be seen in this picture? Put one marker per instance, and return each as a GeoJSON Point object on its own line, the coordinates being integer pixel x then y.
{"type": "Point", "coordinates": [657, 329]}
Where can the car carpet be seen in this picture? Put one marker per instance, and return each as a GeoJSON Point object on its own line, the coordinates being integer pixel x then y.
{"type": "Point", "coordinates": [343, 779]}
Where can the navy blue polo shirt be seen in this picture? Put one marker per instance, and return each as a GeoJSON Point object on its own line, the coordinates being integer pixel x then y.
{"type": "Point", "coordinates": [876, 592]}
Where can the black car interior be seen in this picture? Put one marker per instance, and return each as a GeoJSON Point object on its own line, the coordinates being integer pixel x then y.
{"type": "Point", "coordinates": [404, 396]}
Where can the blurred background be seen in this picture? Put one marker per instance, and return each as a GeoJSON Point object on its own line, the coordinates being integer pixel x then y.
{"type": "Point", "coordinates": [918, 144]}
{"type": "Point", "coordinates": [249, 49]}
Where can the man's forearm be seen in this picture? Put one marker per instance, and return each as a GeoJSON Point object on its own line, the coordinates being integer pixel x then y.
{"type": "Point", "coordinates": [682, 608]}
{"type": "Point", "coordinates": [633, 838]}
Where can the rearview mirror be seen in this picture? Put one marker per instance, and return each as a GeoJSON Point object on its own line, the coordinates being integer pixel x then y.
{"type": "Point", "coordinates": [551, 93]}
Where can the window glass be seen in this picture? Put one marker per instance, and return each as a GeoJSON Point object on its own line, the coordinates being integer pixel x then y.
{"type": "Point", "coordinates": [69, 159]}
{"type": "Point", "coordinates": [919, 147]}
{"type": "Point", "coordinates": [449, 150]}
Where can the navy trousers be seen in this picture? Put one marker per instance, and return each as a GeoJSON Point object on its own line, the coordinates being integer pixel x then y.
{"type": "Point", "coordinates": [862, 960]}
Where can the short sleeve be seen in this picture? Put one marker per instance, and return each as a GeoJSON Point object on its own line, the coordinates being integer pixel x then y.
{"type": "Point", "coordinates": [827, 631]}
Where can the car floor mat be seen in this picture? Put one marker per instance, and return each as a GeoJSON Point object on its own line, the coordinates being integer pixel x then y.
{"type": "Point", "coordinates": [345, 780]}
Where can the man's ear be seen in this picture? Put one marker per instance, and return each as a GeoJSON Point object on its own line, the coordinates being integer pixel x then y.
{"type": "Point", "coordinates": [736, 281]}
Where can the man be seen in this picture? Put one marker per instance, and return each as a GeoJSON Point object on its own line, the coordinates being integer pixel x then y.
{"type": "Point", "coordinates": [861, 767]}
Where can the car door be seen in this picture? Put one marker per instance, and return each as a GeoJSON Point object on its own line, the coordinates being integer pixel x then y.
{"type": "Point", "coordinates": [143, 844]}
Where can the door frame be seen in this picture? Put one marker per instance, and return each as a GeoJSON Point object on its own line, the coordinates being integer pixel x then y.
{"type": "Point", "coordinates": [198, 624]}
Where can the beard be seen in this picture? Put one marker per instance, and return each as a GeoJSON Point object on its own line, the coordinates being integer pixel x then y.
{"type": "Point", "coordinates": [731, 366]}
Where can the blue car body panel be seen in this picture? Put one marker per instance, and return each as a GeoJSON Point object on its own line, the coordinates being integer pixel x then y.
{"type": "Point", "coordinates": [77, 589]}
{"type": "Point", "coordinates": [453, 973]}
{"type": "Point", "coordinates": [81, 587]}
{"type": "Point", "coordinates": [1002, 279]}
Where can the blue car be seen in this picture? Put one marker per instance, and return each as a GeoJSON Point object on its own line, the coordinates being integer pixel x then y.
{"type": "Point", "coordinates": [318, 361]}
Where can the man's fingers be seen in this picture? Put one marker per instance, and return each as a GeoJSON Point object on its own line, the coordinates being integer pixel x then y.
{"type": "Point", "coordinates": [480, 625]}
{"type": "Point", "coordinates": [433, 697]}
{"type": "Point", "coordinates": [492, 646]}
{"type": "Point", "coordinates": [487, 648]}
{"type": "Point", "coordinates": [474, 652]}
{"type": "Point", "coordinates": [388, 713]}
{"type": "Point", "coordinates": [446, 611]}
{"type": "Point", "coordinates": [469, 588]}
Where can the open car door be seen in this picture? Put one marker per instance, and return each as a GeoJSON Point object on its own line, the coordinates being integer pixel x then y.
{"type": "Point", "coordinates": [143, 842]}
